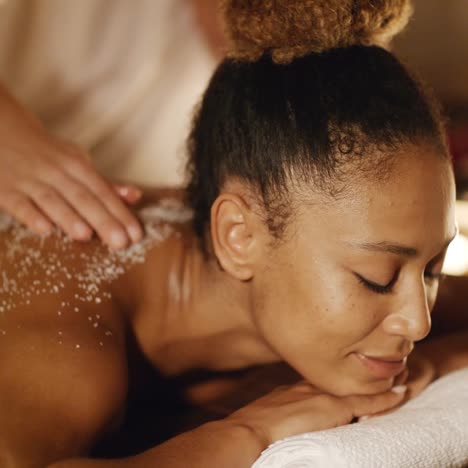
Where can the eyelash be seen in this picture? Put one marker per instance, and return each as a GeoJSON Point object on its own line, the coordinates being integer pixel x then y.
{"type": "Point", "coordinates": [377, 288]}
{"type": "Point", "coordinates": [386, 289]}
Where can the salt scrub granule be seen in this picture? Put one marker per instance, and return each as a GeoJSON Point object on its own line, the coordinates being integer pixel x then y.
{"type": "Point", "coordinates": [5, 222]}
{"type": "Point", "coordinates": [168, 210]}
{"type": "Point", "coordinates": [86, 271]}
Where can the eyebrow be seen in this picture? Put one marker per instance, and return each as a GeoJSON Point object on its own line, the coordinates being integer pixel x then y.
{"type": "Point", "coordinates": [389, 247]}
{"type": "Point", "coordinates": [395, 248]}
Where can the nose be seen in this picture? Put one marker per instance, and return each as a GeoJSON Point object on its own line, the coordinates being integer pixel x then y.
{"type": "Point", "coordinates": [412, 317]}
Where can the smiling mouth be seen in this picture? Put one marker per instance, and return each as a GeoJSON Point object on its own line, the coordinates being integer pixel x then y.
{"type": "Point", "coordinates": [382, 367]}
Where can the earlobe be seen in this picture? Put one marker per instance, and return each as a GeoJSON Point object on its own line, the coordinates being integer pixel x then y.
{"type": "Point", "coordinates": [233, 235]}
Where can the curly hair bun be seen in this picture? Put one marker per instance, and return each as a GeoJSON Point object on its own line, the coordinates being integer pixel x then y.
{"type": "Point", "coordinates": [293, 28]}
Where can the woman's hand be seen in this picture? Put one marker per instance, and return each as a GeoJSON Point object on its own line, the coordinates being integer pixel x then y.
{"type": "Point", "coordinates": [45, 181]}
{"type": "Point", "coordinates": [300, 408]}
{"type": "Point", "coordinates": [420, 373]}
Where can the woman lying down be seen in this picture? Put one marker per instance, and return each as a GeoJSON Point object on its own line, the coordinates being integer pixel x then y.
{"type": "Point", "coordinates": [323, 204]}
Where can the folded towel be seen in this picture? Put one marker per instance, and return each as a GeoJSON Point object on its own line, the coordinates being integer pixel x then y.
{"type": "Point", "coordinates": [430, 431]}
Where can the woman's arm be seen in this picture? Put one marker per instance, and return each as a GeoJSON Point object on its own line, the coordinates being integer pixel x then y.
{"type": "Point", "coordinates": [56, 399]}
{"type": "Point", "coordinates": [220, 444]}
{"type": "Point", "coordinates": [237, 441]}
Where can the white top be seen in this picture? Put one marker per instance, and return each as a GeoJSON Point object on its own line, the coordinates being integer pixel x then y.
{"type": "Point", "coordinates": [119, 77]}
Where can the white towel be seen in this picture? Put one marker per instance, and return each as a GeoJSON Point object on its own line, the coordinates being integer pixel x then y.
{"type": "Point", "coordinates": [430, 431]}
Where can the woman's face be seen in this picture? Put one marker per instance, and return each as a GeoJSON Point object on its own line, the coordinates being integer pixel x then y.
{"type": "Point", "coordinates": [346, 296]}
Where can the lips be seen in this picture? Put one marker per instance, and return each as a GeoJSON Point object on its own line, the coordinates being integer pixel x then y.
{"type": "Point", "coordinates": [382, 367]}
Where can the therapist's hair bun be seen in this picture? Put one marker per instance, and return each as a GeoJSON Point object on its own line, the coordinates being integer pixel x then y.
{"type": "Point", "coordinates": [288, 29]}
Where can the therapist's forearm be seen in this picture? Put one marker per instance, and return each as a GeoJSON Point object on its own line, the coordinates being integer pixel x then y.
{"type": "Point", "coordinates": [12, 112]}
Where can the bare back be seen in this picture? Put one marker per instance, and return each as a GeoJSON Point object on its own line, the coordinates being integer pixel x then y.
{"type": "Point", "coordinates": [66, 312]}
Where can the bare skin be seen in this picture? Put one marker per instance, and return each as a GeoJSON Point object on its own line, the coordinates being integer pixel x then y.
{"type": "Point", "coordinates": [231, 311]}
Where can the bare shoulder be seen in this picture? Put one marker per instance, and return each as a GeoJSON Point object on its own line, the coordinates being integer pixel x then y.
{"type": "Point", "coordinates": [78, 276]}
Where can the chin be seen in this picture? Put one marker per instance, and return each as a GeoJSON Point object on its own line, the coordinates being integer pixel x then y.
{"type": "Point", "coordinates": [353, 386]}
{"type": "Point", "coordinates": [379, 386]}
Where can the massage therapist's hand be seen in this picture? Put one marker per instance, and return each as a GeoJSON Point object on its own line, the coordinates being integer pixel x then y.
{"type": "Point", "coordinates": [300, 408]}
{"type": "Point", "coordinates": [45, 181]}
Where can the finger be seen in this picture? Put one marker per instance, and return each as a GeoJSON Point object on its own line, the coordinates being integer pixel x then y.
{"type": "Point", "coordinates": [86, 204]}
{"type": "Point", "coordinates": [60, 212]}
{"type": "Point", "coordinates": [96, 215]}
{"type": "Point", "coordinates": [365, 405]}
{"type": "Point", "coordinates": [421, 375]}
{"type": "Point", "coordinates": [304, 386]}
{"type": "Point", "coordinates": [129, 193]}
{"type": "Point", "coordinates": [297, 388]}
{"type": "Point", "coordinates": [119, 211]}
{"type": "Point", "coordinates": [20, 207]}
{"type": "Point", "coordinates": [84, 173]}
{"type": "Point", "coordinates": [401, 378]}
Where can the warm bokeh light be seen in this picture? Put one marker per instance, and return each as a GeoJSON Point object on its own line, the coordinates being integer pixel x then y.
{"type": "Point", "coordinates": [456, 261]}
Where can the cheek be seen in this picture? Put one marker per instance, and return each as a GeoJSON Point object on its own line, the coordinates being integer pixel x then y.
{"type": "Point", "coordinates": [345, 315]}
{"type": "Point", "coordinates": [321, 311]}
{"type": "Point", "coordinates": [342, 306]}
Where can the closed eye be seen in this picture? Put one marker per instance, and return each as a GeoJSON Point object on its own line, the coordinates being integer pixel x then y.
{"type": "Point", "coordinates": [376, 287]}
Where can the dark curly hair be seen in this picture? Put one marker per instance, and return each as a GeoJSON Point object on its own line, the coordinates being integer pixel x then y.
{"type": "Point", "coordinates": [307, 118]}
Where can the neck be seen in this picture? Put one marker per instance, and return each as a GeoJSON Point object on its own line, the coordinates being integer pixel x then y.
{"type": "Point", "coordinates": [208, 322]}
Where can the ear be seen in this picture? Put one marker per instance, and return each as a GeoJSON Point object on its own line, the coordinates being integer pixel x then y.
{"type": "Point", "coordinates": [235, 234]}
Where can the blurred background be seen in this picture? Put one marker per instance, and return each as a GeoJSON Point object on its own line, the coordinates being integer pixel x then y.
{"type": "Point", "coordinates": [121, 77]}
{"type": "Point", "coordinates": [435, 45]}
